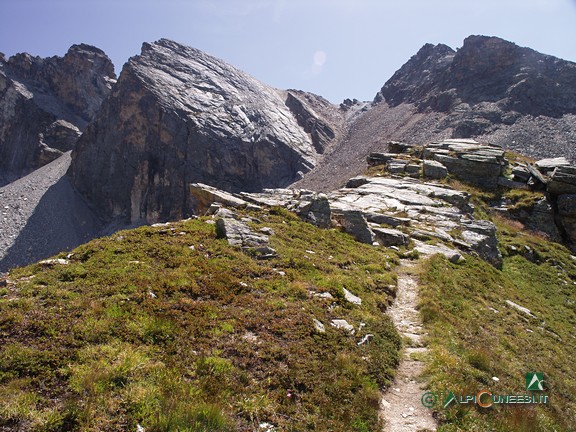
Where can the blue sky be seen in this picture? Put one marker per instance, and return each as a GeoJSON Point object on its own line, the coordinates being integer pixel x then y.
{"type": "Point", "coordinates": [335, 48]}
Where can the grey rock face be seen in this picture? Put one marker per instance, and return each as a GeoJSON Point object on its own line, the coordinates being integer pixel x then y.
{"type": "Point", "coordinates": [470, 161]}
{"type": "Point", "coordinates": [427, 250]}
{"type": "Point", "coordinates": [356, 225]}
{"type": "Point", "coordinates": [540, 217]}
{"type": "Point", "coordinates": [481, 236]}
{"type": "Point", "coordinates": [434, 170]}
{"type": "Point", "coordinates": [316, 211]}
{"type": "Point", "coordinates": [316, 116]}
{"type": "Point", "coordinates": [206, 195]}
{"type": "Point", "coordinates": [567, 204]}
{"type": "Point", "coordinates": [563, 180]}
{"type": "Point", "coordinates": [567, 215]}
{"type": "Point", "coordinates": [45, 103]}
{"type": "Point", "coordinates": [238, 233]}
{"type": "Point", "coordinates": [549, 164]}
{"type": "Point", "coordinates": [390, 237]}
{"type": "Point", "coordinates": [179, 116]}
{"type": "Point", "coordinates": [378, 158]}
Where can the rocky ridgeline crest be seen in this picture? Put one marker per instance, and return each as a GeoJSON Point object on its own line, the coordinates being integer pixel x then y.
{"type": "Point", "coordinates": [485, 70]}
{"type": "Point", "coordinates": [45, 103]}
{"type": "Point", "coordinates": [179, 116]}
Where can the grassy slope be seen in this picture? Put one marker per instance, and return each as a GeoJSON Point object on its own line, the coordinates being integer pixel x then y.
{"type": "Point", "coordinates": [471, 343]}
{"type": "Point", "coordinates": [140, 328]}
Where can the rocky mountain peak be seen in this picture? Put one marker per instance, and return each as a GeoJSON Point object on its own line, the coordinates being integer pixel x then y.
{"type": "Point", "coordinates": [485, 70]}
{"type": "Point", "coordinates": [416, 78]}
{"type": "Point", "coordinates": [178, 116]}
{"type": "Point", "coordinates": [88, 78]}
{"type": "Point", "coordinates": [82, 78]}
{"type": "Point", "coordinates": [39, 96]}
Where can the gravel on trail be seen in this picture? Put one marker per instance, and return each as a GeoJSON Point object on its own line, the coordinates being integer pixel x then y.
{"type": "Point", "coordinates": [41, 215]}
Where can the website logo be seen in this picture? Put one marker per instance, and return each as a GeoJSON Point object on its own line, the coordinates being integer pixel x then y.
{"type": "Point", "coordinates": [486, 398]}
{"type": "Point", "coordinates": [534, 381]}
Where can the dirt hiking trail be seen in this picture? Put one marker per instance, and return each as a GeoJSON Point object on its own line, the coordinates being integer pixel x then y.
{"type": "Point", "coordinates": [401, 406]}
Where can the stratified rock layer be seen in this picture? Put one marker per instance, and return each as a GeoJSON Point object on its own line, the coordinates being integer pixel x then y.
{"type": "Point", "coordinates": [179, 116]}
{"type": "Point", "coordinates": [45, 103]}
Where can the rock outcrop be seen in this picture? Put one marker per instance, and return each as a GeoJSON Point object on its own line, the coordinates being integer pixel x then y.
{"type": "Point", "coordinates": [45, 103]}
{"type": "Point", "coordinates": [550, 210]}
{"type": "Point", "coordinates": [561, 189]}
{"type": "Point", "coordinates": [238, 233]}
{"type": "Point", "coordinates": [400, 212]}
{"type": "Point", "coordinates": [179, 116]}
{"type": "Point", "coordinates": [318, 117]}
{"type": "Point", "coordinates": [470, 161]}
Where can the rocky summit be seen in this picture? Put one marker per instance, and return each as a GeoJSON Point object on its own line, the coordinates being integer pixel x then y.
{"type": "Point", "coordinates": [45, 103]}
{"type": "Point", "coordinates": [179, 116]}
{"type": "Point", "coordinates": [485, 71]}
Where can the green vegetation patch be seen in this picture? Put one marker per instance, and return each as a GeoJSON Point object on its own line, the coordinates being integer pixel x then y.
{"type": "Point", "coordinates": [172, 329]}
{"type": "Point", "coordinates": [475, 335]}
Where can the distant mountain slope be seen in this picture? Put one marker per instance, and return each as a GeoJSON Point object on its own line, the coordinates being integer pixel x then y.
{"type": "Point", "coordinates": [177, 116]}
{"type": "Point", "coordinates": [490, 89]}
{"type": "Point", "coordinates": [45, 103]}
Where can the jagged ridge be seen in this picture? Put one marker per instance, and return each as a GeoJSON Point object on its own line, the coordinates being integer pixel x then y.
{"type": "Point", "coordinates": [45, 103]}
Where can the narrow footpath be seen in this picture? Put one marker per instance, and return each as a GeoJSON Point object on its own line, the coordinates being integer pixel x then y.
{"type": "Point", "coordinates": [401, 406]}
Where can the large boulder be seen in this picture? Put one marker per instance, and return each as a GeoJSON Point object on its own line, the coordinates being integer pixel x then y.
{"type": "Point", "coordinates": [390, 237]}
{"type": "Point", "coordinates": [315, 208]}
{"type": "Point", "coordinates": [480, 237]}
{"type": "Point", "coordinates": [45, 103]}
{"type": "Point", "coordinates": [179, 116]}
{"type": "Point", "coordinates": [238, 233]}
{"type": "Point", "coordinates": [434, 170]}
{"type": "Point", "coordinates": [355, 224]}
{"type": "Point", "coordinates": [207, 195]}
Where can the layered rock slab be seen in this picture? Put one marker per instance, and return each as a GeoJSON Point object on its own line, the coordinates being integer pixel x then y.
{"type": "Point", "coordinates": [179, 116]}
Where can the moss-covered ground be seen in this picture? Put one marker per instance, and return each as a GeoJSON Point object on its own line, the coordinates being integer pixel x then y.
{"type": "Point", "coordinates": [172, 329]}
{"type": "Point", "coordinates": [476, 336]}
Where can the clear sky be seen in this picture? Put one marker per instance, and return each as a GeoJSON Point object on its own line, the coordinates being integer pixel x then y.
{"type": "Point", "coordinates": [335, 48]}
